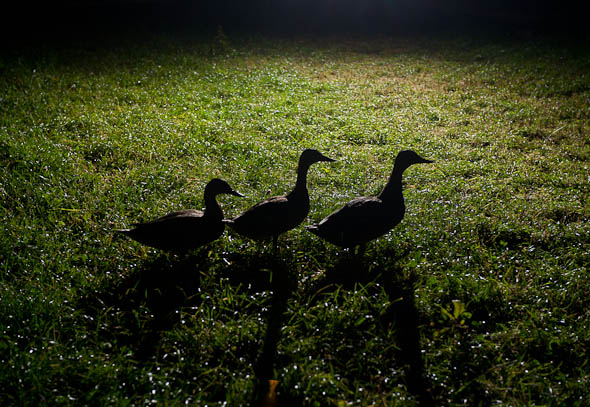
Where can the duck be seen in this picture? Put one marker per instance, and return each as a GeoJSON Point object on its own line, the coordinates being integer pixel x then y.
{"type": "Point", "coordinates": [279, 214]}
{"type": "Point", "coordinates": [369, 217]}
{"type": "Point", "coordinates": [187, 229]}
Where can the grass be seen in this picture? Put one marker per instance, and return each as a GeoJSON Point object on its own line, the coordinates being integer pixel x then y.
{"type": "Point", "coordinates": [479, 297]}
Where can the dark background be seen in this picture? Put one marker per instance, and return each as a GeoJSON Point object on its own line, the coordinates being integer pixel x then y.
{"type": "Point", "coordinates": [31, 22]}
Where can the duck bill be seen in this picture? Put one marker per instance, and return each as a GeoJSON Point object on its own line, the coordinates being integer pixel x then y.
{"type": "Point", "coordinates": [424, 161]}
{"type": "Point", "coordinates": [324, 158]}
{"type": "Point", "coordinates": [236, 193]}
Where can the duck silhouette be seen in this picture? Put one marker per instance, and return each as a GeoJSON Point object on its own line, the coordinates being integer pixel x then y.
{"type": "Point", "coordinates": [367, 218]}
{"type": "Point", "coordinates": [186, 229]}
{"type": "Point", "coordinates": [278, 214]}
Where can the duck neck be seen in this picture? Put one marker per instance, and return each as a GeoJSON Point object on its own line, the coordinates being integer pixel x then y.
{"type": "Point", "coordinates": [393, 189]}
{"type": "Point", "coordinates": [212, 208]}
{"type": "Point", "coordinates": [301, 184]}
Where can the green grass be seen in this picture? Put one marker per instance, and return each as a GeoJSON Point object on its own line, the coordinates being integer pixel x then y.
{"type": "Point", "coordinates": [479, 297]}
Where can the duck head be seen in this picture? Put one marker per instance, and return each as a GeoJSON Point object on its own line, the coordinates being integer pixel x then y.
{"type": "Point", "coordinates": [407, 158]}
{"type": "Point", "coordinates": [218, 186]}
{"type": "Point", "coordinates": [311, 156]}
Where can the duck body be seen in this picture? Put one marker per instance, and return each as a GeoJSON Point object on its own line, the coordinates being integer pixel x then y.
{"type": "Point", "coordinates": [359, 221]}
{"type": "Point", "coordinates": [260, 221]}
{"type": "Point", "coordinates": [186, 229]}
{"type": "Point", "coordinates": [274, 216]}
{"type": "Point", "coordinates": [366, 218]}
{"type": "Point", "coordinates": [178, 231]}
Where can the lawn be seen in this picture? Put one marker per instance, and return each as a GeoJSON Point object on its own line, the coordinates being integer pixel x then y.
{"type": "Point", "coordinates": [478, 297]}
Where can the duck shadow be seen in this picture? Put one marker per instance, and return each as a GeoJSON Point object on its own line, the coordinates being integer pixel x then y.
{"type": "Point", "coordinates": [265, 272]}
{"type": "Point", "coordinates": [283, 287]}
{"type": "Point", "coordinates": [256, 272]}
{"type": "Point", "coordinates": [401, 315]}
{"type": "Point", "coordinates": [147, 301]}
{"type": "Point", "coordinates": [353, 269]}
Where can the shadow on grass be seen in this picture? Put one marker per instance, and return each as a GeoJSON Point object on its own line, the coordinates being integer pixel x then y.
{"type": "Point", "coordinates": [283, 288]}
{"type": "Point", "coordinates": [401, 315]}
{"type": "Point", "coordinates": [138, 309]}
{"type": "Point", "coordinates": [257, 273]}
{"type": "Point", "coordinates": [352, 269]}
{"type": "Point", "coordinates": [145, 303]}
